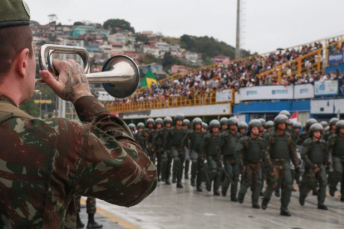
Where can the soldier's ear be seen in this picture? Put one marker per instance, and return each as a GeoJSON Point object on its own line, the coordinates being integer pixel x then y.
{"type": "Point", "coordinates": [21, 62]}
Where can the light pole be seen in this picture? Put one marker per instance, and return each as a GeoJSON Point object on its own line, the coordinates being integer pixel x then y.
{"type": "Point", "coordinates": [45, 110]}
{"type": "Point", "coordinates": [40, 104]}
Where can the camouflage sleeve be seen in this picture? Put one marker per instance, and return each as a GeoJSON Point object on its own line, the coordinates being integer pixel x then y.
{"type": "Point", "coordinates": [265, 155]}
{"type": "Point", "coordinates": [156, 137]}
{"type": "Point", "coordinates": [326, 153]}
{"type": "Point", "coordinates": [292, 152]}
{"type": "Point", "coordinates": [167, 140]}
{"type": "Point", "coordinates": [204, 145]}
{"type": "Point", "coordinates": [331, 141]}
{"type": "Point", "coordinates": [304, 153]}
{"type": "Point", "coordinates": [221, 143]}
{"type": "Point", "coordinates": [267, 145]}
{"type": "Point", "coordinates": [110, 164]}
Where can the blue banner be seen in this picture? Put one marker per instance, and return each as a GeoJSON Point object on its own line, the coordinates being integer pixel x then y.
{"type": "Point", "coordinates": [336, 58]}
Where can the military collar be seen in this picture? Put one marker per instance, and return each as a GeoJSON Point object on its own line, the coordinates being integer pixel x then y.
{"type": "Point", "coordinates": [4, 98]}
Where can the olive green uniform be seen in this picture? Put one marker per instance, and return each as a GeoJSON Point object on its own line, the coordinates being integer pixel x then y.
{"type": "Point", "coordinates": [210, 148]}
{"type": "Point", "coordinates": [149, 143]}
{"type": "Point", "coordinates": [158, 145]}
{"type": "Point", "coordinates": [336, 148]}
{"type": "Point", "coordinates": [228, 142]}
{"type": "Point", "coordinates": [166, 159]}
{"type": "Point", "coordinates": [90, 204]}
{"type": "Point", "coordinates": [281, 149]}
{"type": "Point", "coordinates": [251, 151]}
{"type": "Point", "coordinates": [175, 143]}
{"type": "Point", "coordinates": [315, 156]}
{"type": "Point", "coordinates": [195, 140]}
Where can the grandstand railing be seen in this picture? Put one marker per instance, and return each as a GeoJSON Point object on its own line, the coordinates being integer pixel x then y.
{"type": "Point", "coordinates": [195, 99]}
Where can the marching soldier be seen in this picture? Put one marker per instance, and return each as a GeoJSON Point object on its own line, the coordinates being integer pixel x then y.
{"type": "Point", "coordinates": [281, 149]}
{"type": "Point", "coordinates": [269, 126]}
{"type": "Point", "coordinates": [262, 128]}
{"type": "Point", "coordinates": [159, 143]}
{"type": "Point", "coordinates": [204, 127]}
{"type": "Point", "coordinates": [132, 128]}
{"type": "Point", "coordinates": [186, 125]}
{"type": "Point", "coordinates": [324, 125]}
{"type": "Point", "coordinates": [223, 124]}
{"type": "Point", "coordinates": [315, 156]}
{"type": "Point", "coordinates": [149, 132]}
{"type": "Point", "coordinates": [213, 165]}
{"type": "Point", "coordinates": [141, 137]}
{"type": "Point", "coordinates": [228, 141]}
{"type": "Point", "coordinates": [305, 134]}
{"type": "Point", "coordinates": [91, 211]}
{"type": "Point", "coordinates": [336, 147]}
{"type": "Point", "coordinates": [175, 142]}
{"type": "Point", "coordinates": [242, 128]}
{"type": "Point", "coordinates": [333, 128]}
{"type": "Point", "coordinates": [195, 137]}
{"type": "Point", "coordinates": [297, 173]}
{"type": "Point", "coordinates": [251, 151]}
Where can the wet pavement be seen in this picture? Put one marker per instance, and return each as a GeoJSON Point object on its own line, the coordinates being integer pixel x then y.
{"type": "Point", "coordinates": [171, 208]}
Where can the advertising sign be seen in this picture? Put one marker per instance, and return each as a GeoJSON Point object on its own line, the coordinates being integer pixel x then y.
{"type": "Point", "coordinates": [304, 91]}
{"type": "Point", "coordinates": [266, 92]}
{"type": "Point", "coordinates": [336, 58]}
{"type": "Point", "coordinates": [224, 96]}
{"type": "Point", "coordinates": [326, 87]}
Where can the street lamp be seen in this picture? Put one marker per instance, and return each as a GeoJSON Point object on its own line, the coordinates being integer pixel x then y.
{"type": "Point", "coordinates": [40, 104]}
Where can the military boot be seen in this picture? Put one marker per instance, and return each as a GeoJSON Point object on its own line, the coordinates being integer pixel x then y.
{"type": "Point", "coordinates": [199, 189]}
{"type": "Point", "coordinates": [255, 206]}
{"type": "Point", "coordinates": [241, 198]}
{"type": "Point", "coordinates": [216, 193]}
{"type": "Point", "coordinates": [277, 193]}
{"type": "Point", "coordinates": [192, 181]}
{"type": "Point", "coordinates": [179, 185]}
{"type": "Point", "coordinates": [234, 199]}
{"type": "Point", "coordinates": [285, 212]}
{"type": "Point", "coordinates": [332, 191]}
{"type": "Point", "coordinates": [92, 224]}
{"type": "Point", "coordinates": [265, 203]}
{"type": "Point", "coordinates": [322, 207]}
{"type": "Point", "coordinates": [302, 200]}
{"type": "Point", "coordinates": [167, 182]}
{"type": "Point", "coordinates": [79, 224]}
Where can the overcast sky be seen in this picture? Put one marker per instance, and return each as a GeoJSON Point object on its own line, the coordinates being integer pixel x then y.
{"type": "Point", "coordinates": [268, 24]}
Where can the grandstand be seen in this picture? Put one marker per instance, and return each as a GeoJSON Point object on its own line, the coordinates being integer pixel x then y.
{"type": "Point", "coordinates": [223, 88]}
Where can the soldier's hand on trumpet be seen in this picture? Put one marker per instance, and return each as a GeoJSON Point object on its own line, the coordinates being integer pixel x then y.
{"type": "Point", "coordinates": [71, 83]}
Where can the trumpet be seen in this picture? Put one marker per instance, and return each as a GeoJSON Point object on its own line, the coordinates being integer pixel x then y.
{"type": "Point", "coordinates": [120, 75]}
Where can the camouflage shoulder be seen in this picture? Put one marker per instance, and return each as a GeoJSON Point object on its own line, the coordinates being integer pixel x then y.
{"type": "Point", "coordinates": [308, 141]}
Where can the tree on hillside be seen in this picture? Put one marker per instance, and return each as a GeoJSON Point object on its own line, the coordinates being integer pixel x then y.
{"type": "Point", "coordinates": [118, 23]}
{"type": "Point", "coordinates": [143, 38]}
{"type": "Point", "coordinates": [78, 23]}
{"type": "Point", "coordinates": [168, 60]}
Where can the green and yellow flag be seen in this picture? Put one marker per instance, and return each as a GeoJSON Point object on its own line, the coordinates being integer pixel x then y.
{"type": "Point", "coordinates": [148, 79]}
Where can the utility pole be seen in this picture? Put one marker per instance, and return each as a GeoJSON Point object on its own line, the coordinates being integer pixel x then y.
{"type": "Point", "coordinates": [237, 48]}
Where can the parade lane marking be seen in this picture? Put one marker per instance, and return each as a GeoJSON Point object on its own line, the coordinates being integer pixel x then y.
{"type": "Point", "coordinates": [112, 217]}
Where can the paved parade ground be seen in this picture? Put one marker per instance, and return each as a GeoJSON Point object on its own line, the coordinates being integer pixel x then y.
{"type": "Point", "coordinates": [171, 208]}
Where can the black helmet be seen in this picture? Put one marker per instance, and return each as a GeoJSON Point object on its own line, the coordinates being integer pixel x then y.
{"type": "Point", "coordinates": [333, 121]}
{"type": "Point", "coordinates": [179, 116]}
{"type": "Point", "coordinates": [340, 125]}
{"type": "Point", "coordinates": [186, 122]}
{"type": "Point", "coordinates": [150, 120]}
{"type": "Point", "coordinates": [132, 126]}
{"type": "Point", "coordinates": [280, 119]}
{"type": "Point", "coordinates": [316, 127]}
{"type": "Point", "coordinates": [168, 119]}
{"type": "Point", "coordinates": [324, 124]}
{"type": "Point", "coordinates": [254, 123]}
{"type": "Point", "coordinates": [140, 125]}
{"type": "Point", "coordinates": [159, 121]}
{"type": "Point", "coordinates": [297, 125]}
{"type": "Point", "coordinates": [269, 124]}
{"type": "Point", "coordinates": [214, 123]}
{"type": "Point", "coordinates": [224, 121]}
{"type": "Point", "coordinates": [233, 121]}
{"type": "Point", "coordinates": [204, 125]}
{"type": "Point", "coordinates": [310, 122]}
{"type": "Point", "coordinates": [286, 113]}
{"type": "Point", "coordinates": [196, 121]}
{"type": "Point", "coordinates": [242, 125]}
{"type": "Point", "coordinates": [262, 121]}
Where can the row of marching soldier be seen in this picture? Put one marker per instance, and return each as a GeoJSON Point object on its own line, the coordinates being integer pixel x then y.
{"type": "Point", "coordinates": [229, 153]}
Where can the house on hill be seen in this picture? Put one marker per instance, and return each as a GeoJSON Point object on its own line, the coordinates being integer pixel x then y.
{"type": "Point", "coordinates": [220, 59]}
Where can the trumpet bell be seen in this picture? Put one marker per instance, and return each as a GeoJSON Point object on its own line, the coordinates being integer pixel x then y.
{"type": "Point", "coordinates": [122, 76]}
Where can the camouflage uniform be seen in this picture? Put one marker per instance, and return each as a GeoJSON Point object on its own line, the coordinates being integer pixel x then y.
{"type": "Point", "coordinates": [315, 155]}
{"type": "Point", "coordinates": [99, 159]}
{"type": "Point", "coordinates": [149, 133]}
{"type": "Point", "coordinates": [157, 146]}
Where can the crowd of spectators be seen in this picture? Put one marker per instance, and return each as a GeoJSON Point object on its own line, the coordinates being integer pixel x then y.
{"type": "Point", "coordinates": [244, 73]}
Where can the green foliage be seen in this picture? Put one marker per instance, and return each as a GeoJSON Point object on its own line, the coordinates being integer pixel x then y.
{"type": "Point", "coordinates": [171, 40]}
{"type": "Point", "coordinates": [143, 38]}
{"type": "Point", "coordinates": [78, 23]}
{"type": "Point", "coordinates": [118, 23]}
{"type": "Point", "coordinates": [168, 60]}
{"type": "Point", "coordinates": [209, 47]}
{"type": "Point", "coordinates": [149, 59]}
